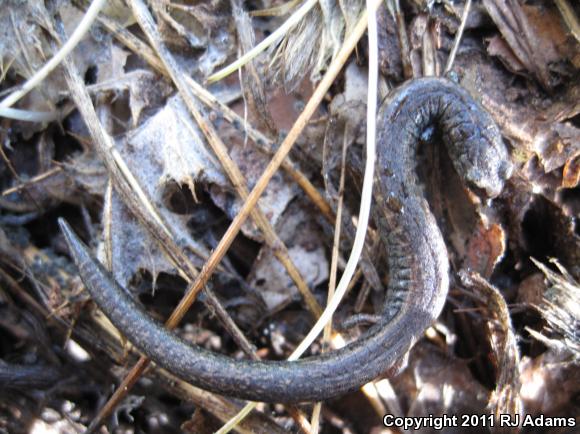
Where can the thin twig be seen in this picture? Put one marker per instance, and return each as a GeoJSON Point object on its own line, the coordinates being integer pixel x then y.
{"type": "Point", "coordinates": [429, 61]}
{"type": "Point", "coordinates": [32, 181]}
{"type": "Point", "coordinates": [366, 196]}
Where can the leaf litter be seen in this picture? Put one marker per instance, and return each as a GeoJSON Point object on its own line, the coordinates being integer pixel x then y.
{"type": "Point", "coordinates": [508, 339]}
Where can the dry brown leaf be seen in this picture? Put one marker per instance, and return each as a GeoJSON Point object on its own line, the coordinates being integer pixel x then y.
{"type": "Point", "coordinates": [537, 38]}
{"type": "Point", "coordinates": [505, 398]}
{"type": "Point", "coordinates": [498, 47]}
{"type": "Point", "coordinates": [535, 129]}
{"type": "Point", "coordinates": [305, 243]}
{"type": "Point", "coordinates": [531, 289]}
{"type": "Point", "coordinates": [571, 173]}
{"type": "Point", "coordinates": [485, 249]}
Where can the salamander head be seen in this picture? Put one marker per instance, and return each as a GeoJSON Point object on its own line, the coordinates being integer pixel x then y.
{"type": "Point", "coordinates": [482, 158]}
{"type": "Point", "coordinates": [492, 167]}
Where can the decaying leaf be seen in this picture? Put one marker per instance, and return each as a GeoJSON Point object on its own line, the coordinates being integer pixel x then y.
{"type": "Point", "coordinates": [505, 398]}
{"type": "Point", "coordinates": [302, 237]}
{"type": "Point", "coordinates": [26, 45]}
{"type": "Point", "coordinates": [537, 130]}
{"type": "Point", "coordinates": [536, 37]}
{"type": "Point", "coordinates": [507, 341]}
{"type": "Point", "coordinates": [549, 384]}
{"type": "Point", "coordinates": [485, 249]}
{"type": "Point", "coordinates": [272, 203]}
{"type": "Point", "coordinates": [439, 384]}
{"type": "Point", "coordinates": [166, 149]}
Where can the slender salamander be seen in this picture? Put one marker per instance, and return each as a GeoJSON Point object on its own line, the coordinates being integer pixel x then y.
{"type": "Point", "coordinates": [417, 258]}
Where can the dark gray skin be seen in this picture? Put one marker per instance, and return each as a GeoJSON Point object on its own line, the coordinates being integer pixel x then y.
{"type": "Point", "coordinates": [419, 266]}
{"type": "Point", "coordinates": [26, 377]}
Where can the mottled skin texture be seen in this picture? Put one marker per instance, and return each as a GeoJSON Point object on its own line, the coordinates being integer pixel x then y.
{"type": "Point", "coordinates": [419, 266]}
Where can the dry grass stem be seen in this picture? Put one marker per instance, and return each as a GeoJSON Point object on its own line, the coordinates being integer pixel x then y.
{"type": "Point", "coordinates": [65, 49]}
{"type": "Point", "coordinates": [458, 36]}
